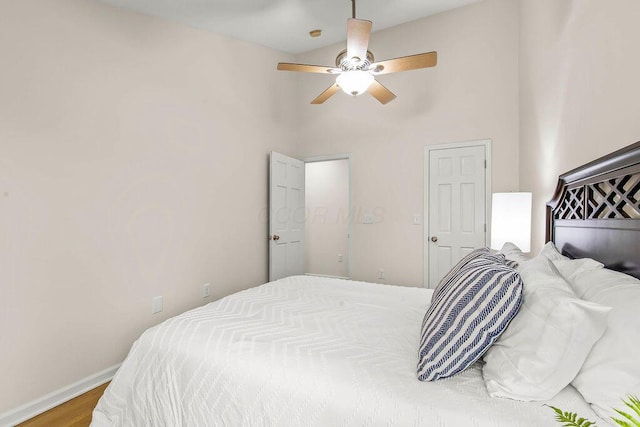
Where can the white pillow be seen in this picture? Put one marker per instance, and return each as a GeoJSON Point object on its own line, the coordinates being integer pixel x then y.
{"type": "Point", "coordinates": [551, 252]}
{"type": "Point", "coordinates": [612, 369]}
{"type": "Point", "coordinates": [544, 347]}
{"type": "Point", "coordinates": [513, 253]}
{"type": "Point", "coordinates": [570, 268]}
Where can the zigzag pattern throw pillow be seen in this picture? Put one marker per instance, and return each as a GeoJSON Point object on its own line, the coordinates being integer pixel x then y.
{"type": "Point", "coordinates": [473, 308]}
{"type": "Point", "coordinates": [481, 253]}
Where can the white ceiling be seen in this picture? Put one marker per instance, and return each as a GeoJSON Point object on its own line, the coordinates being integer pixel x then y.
{"type": "Point", "coordinates": [285, 24]}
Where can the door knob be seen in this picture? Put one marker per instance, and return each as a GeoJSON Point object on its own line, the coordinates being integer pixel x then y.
{"type": "Point", "coordinates": [434, 239]}
{"type": "Point", "coordinates": [276, 237]}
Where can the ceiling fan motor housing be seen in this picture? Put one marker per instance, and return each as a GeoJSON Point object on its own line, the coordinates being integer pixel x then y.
{"type": "Point", "coordinates": [347, 64]}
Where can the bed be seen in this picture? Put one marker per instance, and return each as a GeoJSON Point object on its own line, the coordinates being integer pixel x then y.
{"type": "Point", "coordinates": [317, 351]}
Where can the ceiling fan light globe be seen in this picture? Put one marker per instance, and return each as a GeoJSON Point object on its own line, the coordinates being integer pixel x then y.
{"type": "Point", "coordinates": [354, 82]}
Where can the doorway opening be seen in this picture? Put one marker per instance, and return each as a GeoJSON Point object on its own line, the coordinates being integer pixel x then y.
{"type": "Point", "coordinates": [328, 220]}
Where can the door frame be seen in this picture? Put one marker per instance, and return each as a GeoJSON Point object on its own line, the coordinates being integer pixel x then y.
{"type": "Point", "coordinates": [339, 156]}
{"type": "Point", "coordinates": [486, 143]}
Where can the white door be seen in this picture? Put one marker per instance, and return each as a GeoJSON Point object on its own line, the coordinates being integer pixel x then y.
{"type": "Point", "coordinates": [457, 208]}
{"type": "Point", "coordinates": [286, 216]}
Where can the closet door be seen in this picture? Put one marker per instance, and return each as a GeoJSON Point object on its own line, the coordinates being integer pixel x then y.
{"type": "Point", "coordinates": [456, 207]}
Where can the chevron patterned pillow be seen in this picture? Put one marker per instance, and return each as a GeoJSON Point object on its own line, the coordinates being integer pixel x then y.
{"type": "Point", "coordinates": [481, 253]}
{"type": "Point", "coordinates": [511, 263]}
{"type": "Point", "coordinates": [470, 313]}
{"type": "Point", "coordinates": [456, 268]}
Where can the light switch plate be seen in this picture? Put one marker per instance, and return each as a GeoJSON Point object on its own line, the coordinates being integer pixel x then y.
{"type": "Point", "coordinates": [156, 305]}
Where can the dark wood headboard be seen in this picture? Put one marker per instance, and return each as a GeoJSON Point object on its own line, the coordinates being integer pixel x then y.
{"type": "Point", "coordinates": [595, 211]}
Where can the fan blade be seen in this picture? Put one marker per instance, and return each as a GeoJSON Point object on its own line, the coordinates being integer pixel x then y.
{"type": "Point", "coordinates": [285, 66]}
{"type": "Point", "coordinates": [331, 90]}
{"type": "Point", "coordinates": [405, 63]}
{"type": "Point", "coordinates": [380, 92]}
{"type": "Point", "coordinates": [358, 32]}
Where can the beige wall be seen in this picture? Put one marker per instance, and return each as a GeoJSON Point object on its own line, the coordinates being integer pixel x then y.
{"type": "Point", "coordinates": [327, 225]}
{"type": "Point", "coordinates": [133, 163]}
{"type": "Point", "coordinates": [471, 94]}
{"type": "Point", "coordinates": [579, 89]}
{"type": "Point", "coordinates": [133, 154]}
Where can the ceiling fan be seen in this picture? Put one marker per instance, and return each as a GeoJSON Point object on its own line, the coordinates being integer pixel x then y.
{"type": "Point", "coordinates": [356, 68]}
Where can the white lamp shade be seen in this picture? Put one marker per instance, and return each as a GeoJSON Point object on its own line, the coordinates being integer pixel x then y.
{"type": "Point", "coordinates": [354, 82]}
{"type": "Point", "coordinates": [511, 220]}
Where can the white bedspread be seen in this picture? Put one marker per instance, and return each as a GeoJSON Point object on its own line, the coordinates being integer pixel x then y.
{"type": "Point", "coordinates": [303, 351]}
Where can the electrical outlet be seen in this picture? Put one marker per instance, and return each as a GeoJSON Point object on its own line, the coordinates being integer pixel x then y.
{"type": "Point", "coordinates": [339, 257]}
{"type": "Point", "coordinates": [206, 290]}
{"type": "Point", "coordinates": [156, 305]}
{"type": "Point", "coordinates": [381, 274]}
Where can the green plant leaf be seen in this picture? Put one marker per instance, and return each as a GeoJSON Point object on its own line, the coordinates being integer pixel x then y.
{"type": "Point", "coordinates": [634, 404]}
{"type": "Point", "coordinates": [570, 419]}
{"type": "Point", "coordinates": [621, 422]}
{"type": "Point", "coordinates": [624, 423]}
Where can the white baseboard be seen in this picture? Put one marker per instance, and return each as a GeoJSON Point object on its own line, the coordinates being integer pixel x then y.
{"type": "Point", "coordinates": [53, 399]}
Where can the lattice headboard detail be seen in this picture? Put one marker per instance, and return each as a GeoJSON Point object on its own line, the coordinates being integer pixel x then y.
{"type": "Point", "coordinates": [572, 206]}
{"type": "Point", "coordinates": [613, 198]}
{"type": "Point", "coordinates": [595, 211]}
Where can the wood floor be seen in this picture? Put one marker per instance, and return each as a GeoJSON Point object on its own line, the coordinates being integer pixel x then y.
{"type": "Point", "coordinates": [74, 413]}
